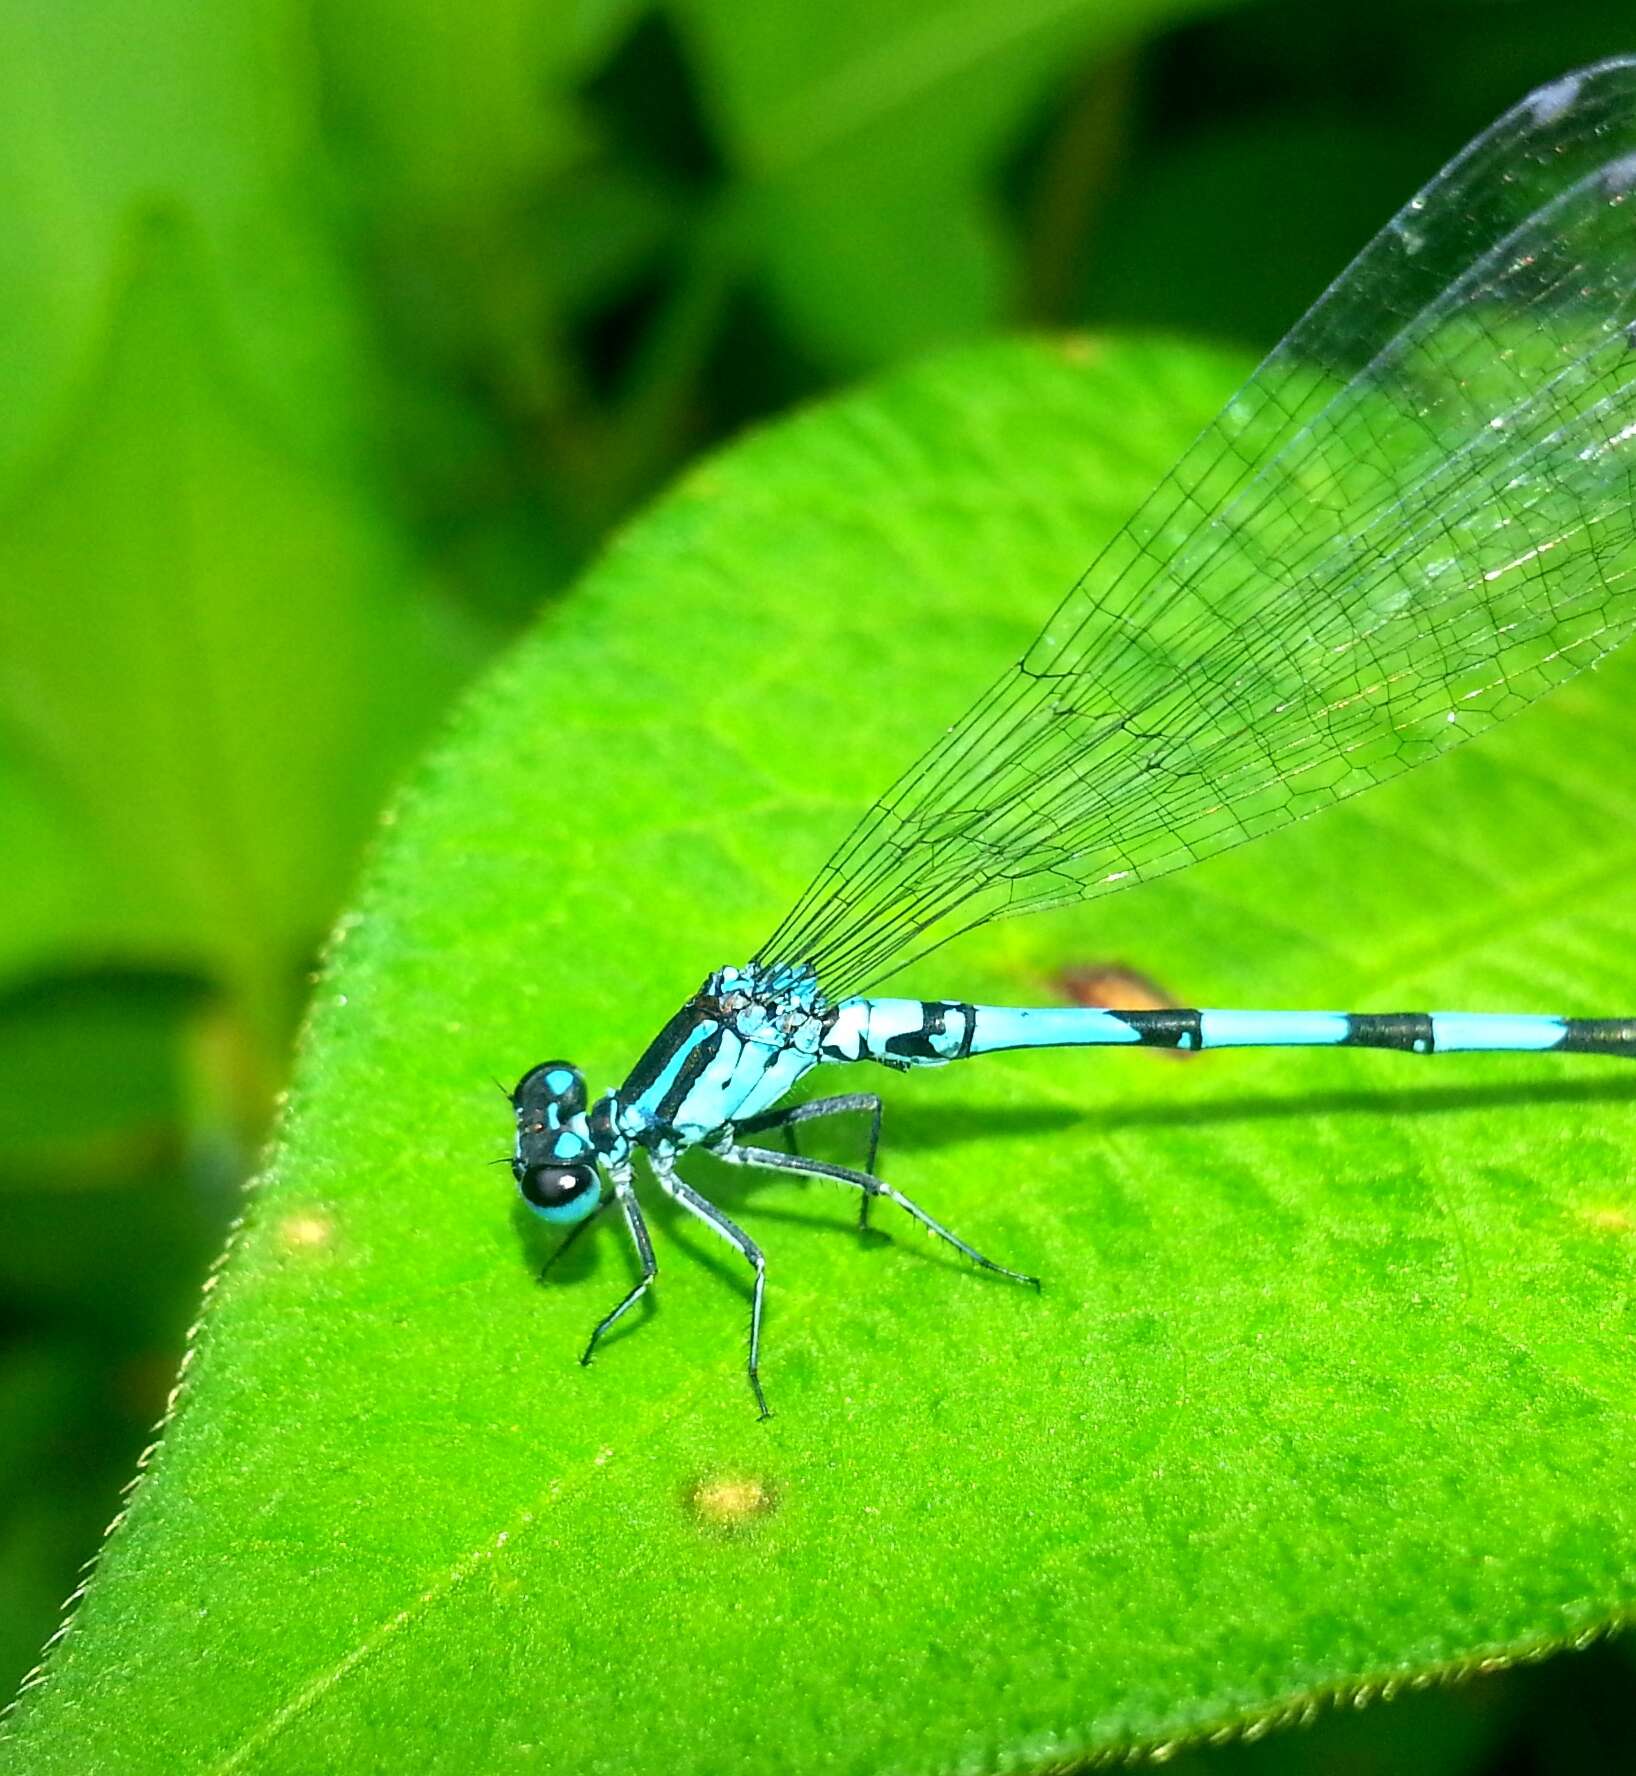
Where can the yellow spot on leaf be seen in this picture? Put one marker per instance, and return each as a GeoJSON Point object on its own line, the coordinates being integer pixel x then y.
{"type": "Point", "coordinates": [306, 1231]}
{"type": "Point", "coordinates": [730, 1501]}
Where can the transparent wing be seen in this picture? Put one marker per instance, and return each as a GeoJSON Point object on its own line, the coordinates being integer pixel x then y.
{"type": "Point", "coordinates": [1413, 519]}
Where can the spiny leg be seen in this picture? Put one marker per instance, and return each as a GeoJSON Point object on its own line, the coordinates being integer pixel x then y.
{"type": "Point", "coordinates": [840, 1105]}
{"type": "Point", "coordinates": [871, 1186]}
{"type": "Point", "coordinates": [573, 1234]}
{"type": "Point", "coordinates": [735, 1235]}
{"type": "Point", "coordinates": [644, 1252]}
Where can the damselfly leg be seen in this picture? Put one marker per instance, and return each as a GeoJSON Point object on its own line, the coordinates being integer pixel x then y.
{"type": "Point", "coordinates": [871, 1186]}
{"type": "Point", "coordinates": [729, 1230]}
{"type": "Point", "coordinates": [843, 1103]}
{"type": "Point", "coordinates": [644, 1252]}
{"type": "Point", "coordinates": [573, 1234]}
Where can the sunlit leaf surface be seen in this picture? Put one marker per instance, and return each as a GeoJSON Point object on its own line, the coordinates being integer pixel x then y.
{"type": "Point", "coordinates": [1330, 1380]}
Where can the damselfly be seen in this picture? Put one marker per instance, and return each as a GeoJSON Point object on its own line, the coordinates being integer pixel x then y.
{"type": "Point", "coordinates": [1414, 518]}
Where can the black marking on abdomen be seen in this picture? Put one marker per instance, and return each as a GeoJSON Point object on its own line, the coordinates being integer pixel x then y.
{"type": "Point", "coordinates": [1615, 1036]}
{"type": "Point", "coordinates": [1407, 1030]}
{"type": "Point", "coordinates": [918, 1045]}
{"type": "Point", "coordinates": [1171, 1027]}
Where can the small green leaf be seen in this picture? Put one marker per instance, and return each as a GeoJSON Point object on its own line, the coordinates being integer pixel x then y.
{"type": "Point", "coordinates": [1328, 1387]}
{"type": "Point", "coordinates": [864, 139]}
{"type": "Point", "coordinates": [124, 108]}
{"type": "Point", "coordinates": [212, 649]}
{"type": "Point", "coordinates": [215, 644]}
{"type": "Point", "coordinates": [59, 909]}
{"type": "Point", "coordinates": [93, 1068]}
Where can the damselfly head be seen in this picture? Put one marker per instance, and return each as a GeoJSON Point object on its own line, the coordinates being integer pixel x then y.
{"type": "Point", "coordinates": [554, 1164]}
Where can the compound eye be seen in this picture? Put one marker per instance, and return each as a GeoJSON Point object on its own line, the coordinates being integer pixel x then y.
{"type": "Point", "coordinates": [560, 1192]}
{"type": "Point", "coordinates": [553, 1085]}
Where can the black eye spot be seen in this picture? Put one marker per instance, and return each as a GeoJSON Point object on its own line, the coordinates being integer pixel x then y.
{"type": "Point", "coordinates": [550, 1186]}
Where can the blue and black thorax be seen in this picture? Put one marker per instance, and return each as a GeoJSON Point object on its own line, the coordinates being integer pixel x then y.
{"type": "Point", "coordinates": [732, 1051]}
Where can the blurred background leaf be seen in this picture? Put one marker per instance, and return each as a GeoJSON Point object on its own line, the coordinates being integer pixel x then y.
{"type": "Point", "coordinates": [335, 335]}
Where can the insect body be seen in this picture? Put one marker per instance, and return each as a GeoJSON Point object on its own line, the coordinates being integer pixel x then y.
{"type": "Point", "coordinates": [1418, 515]}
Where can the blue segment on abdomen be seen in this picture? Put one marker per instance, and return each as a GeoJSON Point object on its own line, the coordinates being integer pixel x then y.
{"type": "Point", "coordinates": [1271, 1029]}
{"type": "Point", "coordinates": [1052, 1026]}
{"type": "Point", "coordinates": [1472, 1030]}
{"type": "Point", "coordinates": [900, 1032]}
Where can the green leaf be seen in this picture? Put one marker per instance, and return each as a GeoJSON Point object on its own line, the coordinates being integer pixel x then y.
{"type": "Point", "coordinates": [39, 1390]}
{"type": "Point", "coordinates": [214, 645]}
{"type": "Point", "coordinates": [212, 649]}
{"type": "Point", "coordinates": [119, 109]}
{"type": "Point", "coordinates": [58, 908]}
{"type": "Point", "coordinates": [1172, 250]}
{"type": "Point", "coordinates": [864, 138]}
{"type": "Point", "coordinates": [473, 175]}
{"type": "Point", "coordinates": [93, 1068]}
{"type": "Point", "coordinates": [1328, 1387]}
